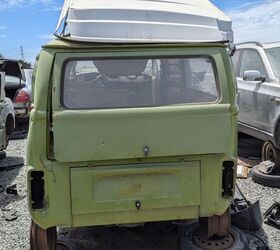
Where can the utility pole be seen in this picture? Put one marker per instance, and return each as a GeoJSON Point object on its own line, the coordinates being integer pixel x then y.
{"type": "Point", "coordinates": [22, 53]}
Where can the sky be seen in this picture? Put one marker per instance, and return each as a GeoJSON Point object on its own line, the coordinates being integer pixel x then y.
{"type": "Point", "coordinates": [30, 23]}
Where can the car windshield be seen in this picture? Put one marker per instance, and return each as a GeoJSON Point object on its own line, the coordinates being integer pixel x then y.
{"type": "Point", "coordinates": [116, 83]}
{"type": "Point", "coordinates": [274, 58]}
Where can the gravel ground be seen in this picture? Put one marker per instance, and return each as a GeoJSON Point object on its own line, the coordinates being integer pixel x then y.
{"type": "Point", "coordinates": [15, 234]}
{"type": "Point", "coordinates": [267, 197]}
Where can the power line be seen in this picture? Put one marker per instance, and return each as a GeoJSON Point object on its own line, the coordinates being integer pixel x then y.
{"type": "Point", "coordinates": [21, 53]}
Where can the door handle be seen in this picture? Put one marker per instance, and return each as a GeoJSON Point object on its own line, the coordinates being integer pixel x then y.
{"type": "Point", "coordinates": [275, 99]}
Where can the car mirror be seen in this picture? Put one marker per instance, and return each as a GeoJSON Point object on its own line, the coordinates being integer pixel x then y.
{"type": "Point", "coordinates": [12, 82]}
{"type": "Point", "coordinates": [2, 86]}
{"type": "Point", "coordinates": [254, 76]}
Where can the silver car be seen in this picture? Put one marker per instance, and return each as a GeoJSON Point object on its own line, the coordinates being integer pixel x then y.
{"type": "Point", "coordinates": [258, 77]}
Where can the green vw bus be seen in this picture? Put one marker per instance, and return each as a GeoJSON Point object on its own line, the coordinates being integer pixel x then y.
{"type": "Point", "coordinates": [132, 128]}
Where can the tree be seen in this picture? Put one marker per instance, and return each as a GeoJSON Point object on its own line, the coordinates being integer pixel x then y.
{"type": "Point", "coordinates": [25, 64]}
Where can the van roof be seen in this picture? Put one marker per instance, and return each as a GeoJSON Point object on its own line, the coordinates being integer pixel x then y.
{"type": "Point", "coordinates": [143, 21]}
{"type": "Point", "coordinates": [68, 44]}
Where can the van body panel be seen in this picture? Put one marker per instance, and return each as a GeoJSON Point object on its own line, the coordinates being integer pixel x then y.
{"type": "Point", "coordinates": [95, 163]}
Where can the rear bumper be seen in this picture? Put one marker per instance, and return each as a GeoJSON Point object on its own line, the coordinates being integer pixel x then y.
{"type": "Point", "coordinates": [22, 111]}
{"type": "Point", "coordinates": [120, 194]}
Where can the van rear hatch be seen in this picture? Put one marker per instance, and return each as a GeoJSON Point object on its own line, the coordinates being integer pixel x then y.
{"type": "Point", "coordinates": [129, 107]}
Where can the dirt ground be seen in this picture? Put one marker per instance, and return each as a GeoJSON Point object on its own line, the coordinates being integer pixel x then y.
{"type": "Point", "coordinates": [14, 234]}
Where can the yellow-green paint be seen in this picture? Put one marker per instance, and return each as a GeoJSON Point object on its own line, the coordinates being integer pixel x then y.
{"type": "Point", "coordinates": [98, 170]}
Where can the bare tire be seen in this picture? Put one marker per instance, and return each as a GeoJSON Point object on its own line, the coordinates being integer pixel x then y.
{"type": "Point", "coordinates": [270, 152]}
{"type": "Point", "coordinates": [189, 243]}
{"type": "Point", "coordinates": [269, 180]}
{"type": "Point", "coordinates": [42, 239]}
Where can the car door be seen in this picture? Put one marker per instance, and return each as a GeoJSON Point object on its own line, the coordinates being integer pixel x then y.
{"type": "Point", "coordinates": [254, 95]}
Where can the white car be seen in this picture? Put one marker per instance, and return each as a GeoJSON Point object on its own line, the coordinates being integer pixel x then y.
{"type": "Point", "coordinates": [18, 87]}
{"type": "Point", "coordinates": [7, 115]}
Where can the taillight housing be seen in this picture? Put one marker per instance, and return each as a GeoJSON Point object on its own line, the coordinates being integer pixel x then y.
{"type": "Point", "coordinates": [37, 189]}
{"type": "Point", "coordinates": [22, 97]}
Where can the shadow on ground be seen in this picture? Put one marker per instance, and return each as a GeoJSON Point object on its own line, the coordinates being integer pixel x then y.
{"type": "Point", "coordinates": [9, 170]}
{"type": "Point", "coordinates": [151, 236]}
{"type": "Point", "coordinates": [19, 135]}
{"type": "Point", "coordinates": [249, 147]}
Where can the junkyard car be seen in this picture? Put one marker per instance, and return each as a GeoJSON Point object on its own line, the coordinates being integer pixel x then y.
{"type": "Point", "coordinates": [132, 129]}
{"type": "Point", "coordinates": [18, 87]}
{"type": "Point", "coordinates": [23, 99]}
{"type": "Point", "coordinates": [258, 76]}
{"type": "Point", "coordinates": [7, 120]}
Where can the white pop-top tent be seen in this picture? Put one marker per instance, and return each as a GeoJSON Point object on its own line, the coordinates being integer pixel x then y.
{"type": "Point", "coordinates": [144, 21]}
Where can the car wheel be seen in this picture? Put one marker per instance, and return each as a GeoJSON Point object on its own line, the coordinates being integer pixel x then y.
{"type": "Point", "coordinates": [42, 239]}
{"type": "Point", "coordinates": [270, 152]}
{"type": "Point", "coordinates": [191, 240]}
{"type": "Point", "coordinates": [269, 180]}
{"type": "Point", "coordinates": [2, 155]}
{"type": "Point", "coordinates": [22, 124]}
{"type": "Point", "coordinates": [9, 125]}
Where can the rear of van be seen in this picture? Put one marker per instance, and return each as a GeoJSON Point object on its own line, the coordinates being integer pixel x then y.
{"type": "Point", "coordinates": [131, 134]}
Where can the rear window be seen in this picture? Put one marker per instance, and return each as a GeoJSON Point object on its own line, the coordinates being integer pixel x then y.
{"type": "Point", "coordinates": [143, 82]}
{"type": "Point", "coordinates": [235, 60]}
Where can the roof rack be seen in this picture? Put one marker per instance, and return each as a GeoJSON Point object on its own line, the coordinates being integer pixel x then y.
{"type": "Point", "coordinates": [254, 42]}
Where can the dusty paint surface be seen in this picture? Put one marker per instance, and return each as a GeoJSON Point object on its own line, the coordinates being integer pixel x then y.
{"type": "Point", "coordinates": [94, 167]}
